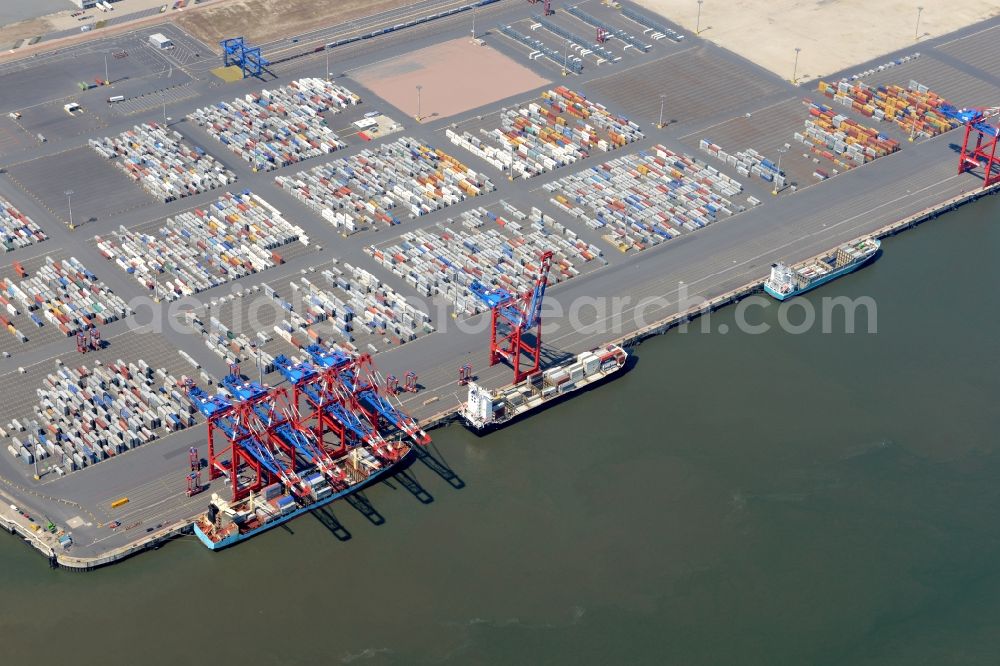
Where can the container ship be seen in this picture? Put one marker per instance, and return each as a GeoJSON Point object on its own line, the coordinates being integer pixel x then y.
{"type": "Point", "coordinates": [486, 410]}
{"type": "Point", "coordinates": [227, 523]}
{"type": "Point", "coordinates": [788, 281]}
{"type": "Point", "coordinates": [285, 451]}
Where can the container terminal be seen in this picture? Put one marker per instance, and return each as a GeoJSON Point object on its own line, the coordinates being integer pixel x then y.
{"type": "Point", "coordinates": [377, 213]}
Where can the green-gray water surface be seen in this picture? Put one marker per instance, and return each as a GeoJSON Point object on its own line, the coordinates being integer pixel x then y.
{"type": "Point", "coordinates": [733, 499]}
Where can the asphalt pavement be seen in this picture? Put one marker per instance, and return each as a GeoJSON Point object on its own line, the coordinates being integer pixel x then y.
{"type": "Point", "coordinates": [789, 227]}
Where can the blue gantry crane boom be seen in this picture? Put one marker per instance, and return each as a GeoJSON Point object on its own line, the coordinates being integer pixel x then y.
{"type": "Point", "coordinates": [259, 428]}
{"type": "Point", "coordinates": [363, 380]}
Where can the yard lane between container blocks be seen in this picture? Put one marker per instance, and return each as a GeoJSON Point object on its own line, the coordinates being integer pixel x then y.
{"type": "Point", "coordinates": [447, 349]}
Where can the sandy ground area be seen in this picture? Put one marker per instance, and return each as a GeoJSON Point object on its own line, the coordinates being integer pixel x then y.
{"type": "Point", "coordinates": [262, 21]}
{"type": "Point", "coordinates": [25, 30]}
{"type": "Point", "coordinates": [63, 20]}
{"type": "Point", "coordinates": [455, 76]}
{"type": "Point", "coordinates": [833, 34]}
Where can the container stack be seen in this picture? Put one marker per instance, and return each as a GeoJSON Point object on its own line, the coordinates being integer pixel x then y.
{"type": "Point", "coordinates": [84, 416]}
{"type": "Point", "coordinates": [233, 347]}
{"type": "Point", "coordinates": [17, 229]}
{"type": "Point", "coordinates": [830, 134]}
{"type": "Point", "coordinates": [63, 294]}
{"type": "Point", "coordinates": [563, 128]}
{"type": "Point", "coordinates": [659, 31]}
{"type": "Point", "coordinates": [275, 128]}
{"type": "Point", "coordinates": [349, 304]}
{"type": "Point", "coordinates": [895, 62]}
{"type": "Point", "coordinates": [156, 158]}
{"type": "Point", "coordinates": [915, 108]}
{"type": "Point", "coordinates": [586, 46]}
{"type": "Point", "coordinates": [495, 249]}
{"type": "Point", "coordinates": [538, 48]}
{"type": "Point", "coordinates": [367, 189]}
{"type": "Point", "coordinates": [625, 36]}
{"type": "Point", "coordinates": [747, 163]}
{"type": "Point", "coordinates": [643, 199]}
{"type": "Point", "coordinates": [236, 236]}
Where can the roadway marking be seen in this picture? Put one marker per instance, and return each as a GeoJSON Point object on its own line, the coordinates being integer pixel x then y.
{"type": "Point", "coordinates": [480, 117]}
{"type": "Point", "coordinates": [958, 39]}
{"type": "Point", "coordinates": [89, 49]}
{"type": "Point", "coordinates": [31, 194]}
{"type": "Point", "coordinates": [729, 120]}
{"type": "Point", "coordinates": [642, 64]}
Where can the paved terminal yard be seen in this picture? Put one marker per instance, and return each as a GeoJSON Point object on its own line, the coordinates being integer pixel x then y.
{"type": "Point", "coordinates": [421, 320]}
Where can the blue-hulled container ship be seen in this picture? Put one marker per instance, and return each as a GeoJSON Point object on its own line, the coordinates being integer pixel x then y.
{"type": "Point", "coordinates": [274, 455]}
{"type": "Point", "coordinates": [227, 523]}
{"type": "Point", "coordinates": [785, 281]}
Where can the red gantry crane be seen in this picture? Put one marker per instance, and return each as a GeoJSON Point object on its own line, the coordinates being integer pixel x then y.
{"type": "Point", "coordinates": [982, 121]}
{"type": "Point", "coordinates": [512, 317]}
{"type": "Point", "coordinates": [336, 406]}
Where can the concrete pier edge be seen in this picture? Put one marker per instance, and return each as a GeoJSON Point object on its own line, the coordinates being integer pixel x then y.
{"type": "Point", "coordinates": [40, 539]}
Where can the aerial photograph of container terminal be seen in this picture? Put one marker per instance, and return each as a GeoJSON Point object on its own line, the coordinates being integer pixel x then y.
{"type": "Point", "coordinates": [500, 331]}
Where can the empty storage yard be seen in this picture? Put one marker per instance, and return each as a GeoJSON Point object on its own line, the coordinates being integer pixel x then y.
{"type": "Point", "coordinates": [100, 191]}
{"type": "Point", "coordinates": [697, 83]}
{"type": "Point", "coordinates": [455, 76]}
{"type": "Point", "coordinates": [225, 215]}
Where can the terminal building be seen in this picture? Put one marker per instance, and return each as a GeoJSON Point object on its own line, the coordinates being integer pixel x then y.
{"type": "Point", "coordinates": [160, 41]}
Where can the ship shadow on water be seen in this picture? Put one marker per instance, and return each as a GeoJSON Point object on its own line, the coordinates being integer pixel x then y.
{"type": "Point", "coordinates": [406, 477]}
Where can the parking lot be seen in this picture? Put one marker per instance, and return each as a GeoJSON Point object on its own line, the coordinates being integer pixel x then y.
{"type": "Point", "coordinates": [99, 189]}
{"type": "Point", "coordinates": [174, 90]}
{"type": "Point", "coordinates": [58, 75]}
{"type": "Point", "coordinates": [53, 121]}
{"type": "Point", "coordinates": [13, 137]}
